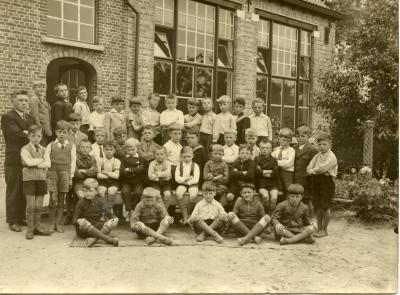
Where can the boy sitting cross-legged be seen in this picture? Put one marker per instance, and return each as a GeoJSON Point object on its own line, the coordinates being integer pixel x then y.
{"type": "Point", "coordinates": [291, 219]}
{"type": "Point", "coordinates": [150, 219]}
{"type": "Point", "coordinates": [88, 215]}
{"type": "Point", "coordinates": [208, 215]}
{"type": "Point", "coordinates": [248, 217]}
{"type": "Point", "coordinates": [160, 174]}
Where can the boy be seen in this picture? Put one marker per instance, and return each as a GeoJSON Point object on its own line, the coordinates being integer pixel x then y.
{"type": "Point", "coordinates": [116, 117]}
{"type": "Point", "coordinates": [147, 146]}
{"type": "Point", "coordinates": [97, 118]}
{"type": "Point", "coordinates": [291, 220]}
{"type": "Point", "coordinates": [61, 153]}
{"type": "Point", "coordinates": [173, 148]}
{"type": "Point", "coordinates": [260, 122]}
{"type": "Point", "coordinates": [242, 171]}
{"type": "Point", "coordinates": [134, 120]}
{"type": "Point", "coordinates": [251, 140]}
{"type": "Point", "coordinates": [150, 219]}
{"type": "Point", "coordinates": [248, 217]}
{"type": "Point", "coordinates": [193, 118]}
{"type": "Point", "coordinates": [285, 154]}
{"type": "Point", "coordinates": [81, 107]}
{"type": "Point", "coordinates": [323, 170]}
{"type": "Point", "coordinates": [231, 150]}
{"type": "Point", "coordinates": [224, 120]}
{"type": "Point", "coordinates": [160, 174]}
{"type": "Point", "coordinates": [34, 181]}
{"type": "Point", "coordinates": [151, 117]}
{"type": "Point", "coordinates": [62, 108]}
{"type": "Point", "coordinates": [98, 147]}
{"type": "Point", "coordinates": [75, 135]}
{"type": "Point", "coordinates": [120, 137]}
{"type": "Point", "coordinates": [200, 156]}
{"type": "Point", "coordinates": [187, 175]}
{"type": "Point", "coordinates": [171, 116]}
{"type": "Point", "coordinates": [108, 174]}
{"type": "Point", "coordinates": [304, 152]}
{"type": "Point", "coordinates": [267, 175]}
{"type": "Point", "coordinates": [207, 123]}
{"type": "Point", "coordinates": [89, 213]}
{"type": "Point", "coordinates": [208, 215]}
{"type": "Point", "coordinates": [132, 176]}
{"type": "Point", "coordinates": [217, 171]}
{"type": "Point", "coordinates": [242, 121]}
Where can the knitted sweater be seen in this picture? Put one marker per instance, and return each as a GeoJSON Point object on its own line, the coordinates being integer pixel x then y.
{"type": "Point", "coordinates": [31, 157]}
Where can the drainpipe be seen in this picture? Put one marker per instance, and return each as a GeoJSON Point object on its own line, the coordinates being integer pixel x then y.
{"type": "Point", "coordinates": [135, 86]}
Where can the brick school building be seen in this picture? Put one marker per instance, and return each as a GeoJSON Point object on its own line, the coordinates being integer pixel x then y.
{"type": "Point", "coordinates": [272, 49]}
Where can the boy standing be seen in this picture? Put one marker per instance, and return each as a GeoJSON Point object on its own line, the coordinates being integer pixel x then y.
{"type": "Point", "coordinates": [97, 148]}
{"type": "Point", "coordinates": [34, 181]}
{"type": "Point", "coordinates": [231, 150]}
{"type": "Point", "coordinates": [75, 135]}
{"type": "Point", "coordinates": [224, 121]}
{"type": "Point", "coordinates": [217, 171]}
{"type": "Point", "coordinates": [323, 169]}
{"type": "Point", "coordinates": [147, 147]}
{"type": "Point", "coordinates": [173, 148]}
{"type": "Point", "coordinates": [193, 118]}
{"type": "Point", "coordinates": [251, 140]}
{"type": "Point", "coordinates": [134, 120]}
{"type": "Point", "coordinates": [207, 124]}
{"type": "Point", "coordinates": [61, 153]}
{"type": "Point", "coordinates": [200, 156]}
{"type": "Point", "coordinates": [96, 119]}
{"type": "Point", "coordinates": [171, 116]}
{"type": "Point", "coordinates": [116, 117]}
{"type": "Point", "coordinates": [151, 117]}
{"type": "Point", "coordinates": [260, 122]}
{"type": "Point", "coordinates": [81, 107]}
{"type": "Point", "coordinates": [62, 108]}
{"type": "Point", "coordinates": [242, 121]}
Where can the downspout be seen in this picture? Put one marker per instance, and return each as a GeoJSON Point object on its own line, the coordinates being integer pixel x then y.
{"type": "Point", "coordinates": [135, 86]}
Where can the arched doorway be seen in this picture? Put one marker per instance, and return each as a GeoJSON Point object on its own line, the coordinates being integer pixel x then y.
{"type": "Point", "coordinates": [73, 72]}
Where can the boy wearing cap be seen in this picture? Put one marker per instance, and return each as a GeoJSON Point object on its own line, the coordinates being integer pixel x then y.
{"type": "Point", "coordinates": [150, 220]}
{"type": "Point", "coordinates": [116, 117]}
{"type": "Point", "coordinates": [217, 171]}
{"type": "Point", "coordinates": [134, 119]}
{"type": "Point", "coordinates": [224, 120]}
{"type": "Point", "coordinates": [89, 213]}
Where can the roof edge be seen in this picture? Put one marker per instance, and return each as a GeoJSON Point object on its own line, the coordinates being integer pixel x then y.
{"type": "Point", "coordinates": [317, 8]}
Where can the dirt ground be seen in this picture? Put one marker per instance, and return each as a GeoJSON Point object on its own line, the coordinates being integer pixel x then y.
{"type": "Point", "coordinates": [354, 258]}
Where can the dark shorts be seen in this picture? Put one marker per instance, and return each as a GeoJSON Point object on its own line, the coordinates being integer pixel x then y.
{"type": "Point", "coordinates": [34, 187]}
{"type": "Point", "coordinates": [109, 183]}
{"type": "Point", "coordinates": [323, 190]}
{"type": "Point", "coordinates": [267, 183]}
{"type": "Point", "coordinates": [154, 226]}
{"type": "Point", "coordinates": [197, 230]}
{"type": "Point", "coordinates": [285, 179]}
{"type": "Point", "coordinates": [83, 234]}
{"type": "Point", "coordinates": [162, 185]}
{"type": "Point", "coordinates": [58, 181]}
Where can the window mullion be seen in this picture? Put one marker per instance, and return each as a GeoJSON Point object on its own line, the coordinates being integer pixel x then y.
{"type": "Point", "coordinates": [269, 67]}
{"type": "Point", "coordinates": [216, 34]}
{"type": "Point", "coordinates": [296, 110]}
{"type": "Point", "coordinates": [175, 43]}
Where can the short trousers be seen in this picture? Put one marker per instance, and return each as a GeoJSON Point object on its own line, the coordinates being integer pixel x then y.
{"type": "Point", "coordinates": [197, 230]}
{"type": "Point", "coordinates": [268, 184]}
{"type": "Point", "coordinates": [154, 226]}
{"type": "Point", "coordinates": [83, 234]}
{"type": "Point", "coordinates": [109, 182]}
{"type": "Point", "coordinates": [248, 225]}
{"type": "Point", "coordinates": [285, 179]}
{"type": "Point", "coordinates": [58, 181]}
{"type": "Point", "coordinates": [323, 190]}
{"type": "Point", "coordinates": [161, 185]}
{"type": "Point", "coordinates": [34, 187]}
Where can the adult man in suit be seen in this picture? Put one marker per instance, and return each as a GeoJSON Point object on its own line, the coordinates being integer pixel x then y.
{"type": "Point", "coordinates": [62, 108]}
{"type": "Point", "coordinates": [40, 110]}
{"type": "Point", "coordinates": [14, 125]}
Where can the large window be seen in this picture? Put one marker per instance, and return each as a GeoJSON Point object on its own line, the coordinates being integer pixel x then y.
{"type": "Point", "coordinates": [194, 53]}
{"type": "Point", "coordinates": [283, 72]}
{"type": "Point", "coordinates": [71, 19]}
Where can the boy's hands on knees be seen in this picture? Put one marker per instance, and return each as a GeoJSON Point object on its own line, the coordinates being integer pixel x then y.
{"type": "Point", "coordinates": [170, 219]}
{"type": "Point", "coordinates": [224, 217]}
{"type": "Point", "coordinates": [231, 216]}
{"type": "Point", "coordinates": [279, 227]}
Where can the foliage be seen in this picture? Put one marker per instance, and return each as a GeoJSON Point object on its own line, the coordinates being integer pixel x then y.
{"type": "Point", "coordinates": [363, 85]}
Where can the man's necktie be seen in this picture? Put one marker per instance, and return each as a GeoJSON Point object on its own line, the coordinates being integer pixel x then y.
{"type": "Point", "coordinates": [280, 155]}
{"type": "Point", "coordinates": [101, 152]}
{"type": "Point", "coordinates": [37, 147]}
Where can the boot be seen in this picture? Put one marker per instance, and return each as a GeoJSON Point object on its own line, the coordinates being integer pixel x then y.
{"type": "Point", "coordinates": [52, 219]}
{"type": "Point", "coordinates": [147, 231]}
{"type": "Point", "coordinates": [39, 230]}
{"type": "Point", "coordinates": [304, 235]}
{"type": "Point", "coordinates": [30, 219]}
{"type": "Point", "coordinates": [257, 228]}
{"type": "Point", "coordinates": [99, 235]}
{"type": "Point", "coordinates": [209, 229]}
{"type": "Point", "coordinates": [60, 220]}
{"type": "Point", "coordinates": [240, 227]}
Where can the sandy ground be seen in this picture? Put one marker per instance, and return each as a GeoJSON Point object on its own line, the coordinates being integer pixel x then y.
{"type": "Point", "coordinates": [354, 258]}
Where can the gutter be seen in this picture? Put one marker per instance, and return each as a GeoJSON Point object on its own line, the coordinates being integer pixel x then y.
{"type": "Point", "coordinates": [317, 8]}
{"type": "Point", "coordinates": [135, 86]}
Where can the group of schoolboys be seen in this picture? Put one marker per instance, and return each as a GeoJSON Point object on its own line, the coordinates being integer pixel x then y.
{"type": "Point", "coordinates": [157, 160]}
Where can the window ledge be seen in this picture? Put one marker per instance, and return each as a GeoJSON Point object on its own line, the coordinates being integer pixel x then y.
{"type": "Point", "coordinates": [58, 41]}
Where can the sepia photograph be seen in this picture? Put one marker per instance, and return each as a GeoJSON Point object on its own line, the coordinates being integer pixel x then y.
{"type": "Point", "coordinates": [199, 146]}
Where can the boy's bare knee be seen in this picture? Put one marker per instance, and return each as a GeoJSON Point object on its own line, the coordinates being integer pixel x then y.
{"type": "Point", "coordinates": [112, 190]}
{"type": "Point", "coordinates": [137, 226]}
{"type": "Point", "coordinates": [310, 229]}
{"type": "Point", "coordinates": [265, 220]}
{"type": "Point", "coordinates": [84, 224]}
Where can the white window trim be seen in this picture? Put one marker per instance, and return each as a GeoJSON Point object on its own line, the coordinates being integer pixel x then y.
{"type": "Point", "coordinates": [70, 43]}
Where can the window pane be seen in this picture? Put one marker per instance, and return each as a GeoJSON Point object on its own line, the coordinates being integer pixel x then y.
{"type": "Point", "coordinates": [225, 52]}
{"type": "Point", "coordinates": [288, 117]}
{"type": "Point", "coordinates": [275, 114]}
{"type": "Point", "coordinates": [204, 78]}
{"type": "Point", "coordinates": [305, 67]}
{"type": "Point", "coordinates": [182, 6]}
{"type": "Point", "coordinates": [224, 83]}
{"type": "Point", "coordinates": [70, 12]}
{"type": "Point", "coordinates": [190, 54]}
{"type": "Point", "coordinates": [162, 77]}
{"type": "Point", "coordinates": [263, 33]}
{"type": "Point", "coordinates": [284, 50]}
{"type": "Point", "coordinates": [164, 12]}
{"type": "Point", "coordinates": [181, 53]}
{"type": "Point", "coordinates": [304, 94]}
{"type": "Point", "coordinates": [87, 15]}
{"type": "Point", "coordinates": [262, 87]}
{"type": "Point", "coordinates": [276, 91]}
{"type": "Point", "coordinates": [70, 30]}
{"type": "Point", "coordinates": [86, 33]}
{"type": "Point", "coordinates": [54, 8]}
{"type": "Point", "coordinates": [201, 10]}
{"type": "Point", "coordinates": [262, 57]}
{"type": "Point", "coordinates": [54, 27]}
{"type": "Point", "coordinates": [182, 20]}
{"type": "Point", "coordinates": [303, 116]}
{"type": "Point", "coordinates": [159, 16]}
{"type": "Point", "coordinates": [209, 57]}
{"type": "Point", "coordinates": [200, 55]}
{"type": "Point", "coordinates": [88, 2]}
{"type": "Point", "coordinates": [289, 92]}
{"type": "Point", "coordinates": [162, 45]}
{"type": "Point", "coordinates": [168, 18]}
{"type": "Point", "coordinates": [169, 4]}
{"type": "Point", "coordinates": [184, 81]}
{"type": "Point", "coordinates": [226, 24]}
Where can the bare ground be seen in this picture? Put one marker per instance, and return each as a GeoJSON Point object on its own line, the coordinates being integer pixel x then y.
{"type": "Point", "coordinates": [354, 258]}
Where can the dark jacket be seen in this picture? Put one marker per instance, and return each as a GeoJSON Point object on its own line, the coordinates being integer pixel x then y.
{"type": "Point", "coordinates": [200, 158]}
{"type": "Point", "coordinates": [247, 166]}
{"type": "Point", "coordinates": [60, 111]}
{"type": "Point", "coordinates": [242, 123]}
{"type": "Point", "coordinates": [249, 212]}
{"type": "Point", "coordinates": [13, 126]}
{"type": "Point", "coordinates": [137, 169]}
{"type": "Point", "coordinates": [86, 162]}
{"type": "Point", "coordinates": [292, 218]}
{"type": "Point", "coordinates": [267, 163]}
{"type": "Point", "coordinates": [302, 158]}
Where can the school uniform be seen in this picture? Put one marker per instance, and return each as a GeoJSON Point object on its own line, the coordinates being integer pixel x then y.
{"type": "Point", "coordinates": [34, 178]}
{"type": "Point", "coordinates": [241, 173]}
{"type": "Point", "coordinates": [266, 163]}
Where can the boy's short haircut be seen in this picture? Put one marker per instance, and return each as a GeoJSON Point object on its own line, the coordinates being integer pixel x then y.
{"type": "Point", "coordinates": [286, 133]}
{"type": "Point", "coordinates": [119, 131]}
{"type": "Point", "coordinates": [231, 131]}
{"type": "Point", "coordinates": [170, 96]}
{"type": "Point", "coordinates": [266, 142]}
{"type": "Point", "coordinates": [109, 143]}
{"type": "Point", "coordinates": [193, 102]}
{"type": "Point", "coordinates": [304, 129]}
{"type": "Point", "coordinates": [57, 86]}
{"type": "Point", "coordinates": [150, 193]}
{"type": "Point", "coordinates": [244, 147]}
{"type": "Point", "coordinates": [161, 148]}
{"type": "Point", "coordinates": [18, 92]}
{"type": "Point", "coordinates": [75, 117]}
{"type": "Point", "coordinates": [135, 100]}
{"type": "Point", "coordinates": [224, 98]}
{"type": "Point", "coordinates": [62, 125]}
{"type": "Point", "coordinates": [250, 132]}
{"type": "Point", "coordinates": [34, 128]}
{"type": "Point", "coordinates": [89, 182]}
{"type": "Point", "coordinates": [240, 100]}
{"type": "Point", "coordinates": [175, 127]}
{"type": "Point", "coordinates": [151, 94]}
{"type": "Point", "coordinates": [296, 188]}
{"type": "Point", "coordinates": [186, 149]}
{"type": "Point", "coordinates": [193, 132]}
{"type": "Point", "coordinates": [209, 186]}
{"type": "Point", "coordinates": [84, 141]}
{"type": "Point", "coordinates": [206, 98]}
{"type": "Point", "coordinates": [257, 100]}
{"type": "Point", "coordinates": [79, 89]}
{"type": "Point", "coordinates": [116, 99]}
{"type": "Point", "coordinates": [100, 130]}
{"type": "Point", "coordinates": [39, 82]}
{"type": "Point", "coordinates": [131, 142]}
{"type": "Point", "coordinates": [148, 127]}
{"type": "Point", "coordinates": [217, 147]}
{"type": "Point", "coordinates": [324, 137]}
{"type": "Point", "coordinates": [248, 185]}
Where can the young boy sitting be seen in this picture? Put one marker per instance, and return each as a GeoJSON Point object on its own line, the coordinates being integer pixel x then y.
{"type": "Point", "coordinates": [75, 135]}
{"type": "Point", "coordinates": [242, 121]}
{"type": "Point", "coordinates": [217, 171]}
{"type": "Point", "coordinates": [86, 167]}
{"type": "Point", "coordinates": [173, 148]}
{"type": "Point", "coordinates": [160, 174]}
{"type": "Point", "coordinates": [97, 118]}
{"type": "Point", "coordinates": [248, 217]}
{"type": "Point", "coordinates": [207, 123]}
{"type": "Point", "coordinates": [267, 175]}
{"type": "Point", "coordinates": [200, 156]}
{"type": "Point", "coordinates": [187, 176]}
{"type": "Point", "coordinates": [208, 215]}
{"type": "Point", "coordinates": [260, 122]}
{"type": "Point", "coordinates": [132, 175]}
{"type": "Point", "coordinates": [224, 120]}
{"type": "Point", "coordinates": [151, 117]}
{"type": "Point", "coordinates": [323, 170]}
{"type": "Point", "coordinates": [116, 117]}
{"type": "Point", "coordinates": [120, 137]}
{"type": "Point", "coordinates": [171, 116]}
{"type": "Point", "coordinates": [251, 140]}
{"type": "Point", "coordinates": [150, 219]}
{"type": "Point", "coordinates": [291, 219]}
{"type": "Point", "coordinates": [134, 118]}
{"type": "Point", "coordinates": [89, 213]}
{"type": "Point", "coordinates": [231, 150]}
{"type": "Point", "coordinates": [193, 118]}
{"type": "Point", "coordinates": [147, 146]}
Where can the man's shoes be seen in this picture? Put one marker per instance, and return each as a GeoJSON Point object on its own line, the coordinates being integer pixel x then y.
{"type": "Point", "coordinates": [15, 227]}
{"type": "Point", "coordinates": [22, 223]}
{"type": "Point", "coordinates": [29, 234]}
{"type": "Point", "coordinates": [41, 232]}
